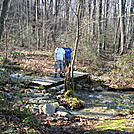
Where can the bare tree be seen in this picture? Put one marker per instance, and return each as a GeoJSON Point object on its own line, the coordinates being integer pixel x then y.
{"type": "Point", "coordinates": [3, 15]}
{"type": "Point", "coordinates": [129, 25]}
{"type": "Point", "coordinates": [104, 25]}
{"type": "Point", "coordinates": [122, 26]}
{"type": "Point", "coordinates": [69, 80]}
{"type": "Point", "coordinates": [99, 26]}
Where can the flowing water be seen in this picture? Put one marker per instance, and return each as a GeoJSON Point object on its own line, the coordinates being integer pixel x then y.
{"type": "Point", "coordinates": [104, 104]}
{"type": "Point", "coordinates": [100, 105]}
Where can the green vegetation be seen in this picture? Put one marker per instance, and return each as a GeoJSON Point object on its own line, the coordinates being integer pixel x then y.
{"type": "Point", "coordinates": [69, 93]}
{"type": "Point", "coordinates": [121, 75]}
{"type": "Point", "coordinates": [125, 105]}
{"type": "Point", "coordinates": [41, 87]}
{"type": "Point", "coordinates": [17, 116]}
{"type": "Point", "coordinates": [112, 126]}
{"type": "Point", "coordinates": [70, 101]}
{"type": "Point", "coordinates": [25, 84]}
{"type": "Point", "coordinates": [126, 64]}
{"type": "Point", "coordinates": [18, 56]}
{"type": "Point", "coordinates": [117, 73]}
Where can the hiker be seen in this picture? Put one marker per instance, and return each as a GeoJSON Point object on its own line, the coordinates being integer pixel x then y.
{"type": "Point", "coordinates": [68, 52]}
{"type": "Point", "coordinates": [59, 60]}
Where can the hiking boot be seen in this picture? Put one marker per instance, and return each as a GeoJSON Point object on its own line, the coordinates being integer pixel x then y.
{"type": "Point", "coordinates": [62, 76]}
{"type": "Point", "coordinates": [55, 75]}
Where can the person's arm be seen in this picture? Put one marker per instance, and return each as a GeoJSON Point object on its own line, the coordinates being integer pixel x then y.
{"type": "Point", "coordinates": [55, 54]}
{"type": "Point", "coordinates": [64, 57]}
{"type": "Point", "coordinates": [71, 53]}
{"type": "Point", "coordinates": [71, 50]}
{"type": "Point", "coordinates": [64, 54]}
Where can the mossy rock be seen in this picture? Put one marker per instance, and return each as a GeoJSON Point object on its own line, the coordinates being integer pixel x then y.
{"type": "Point", "coordinates": [41, 87]}
{"type": "Point", "coordinates": [76, 104]}
{"type": "Point", "coordinates": [10, 131]}
{"type": "Point", "coordinates": [25, 85]}
{"type": "Point", "coordinates": [7, 79]}
{"type": "Point", "coordinates": [98, 80]}
{"type": "Point", "coordinates": [70, 101]}
{"type": "Point", "coordinates": [69, 93]}
{"type": "Point", "coordinates": [114, 86]}
{"type": "Point", "coordinates": [31, 131]}
{"type": "Point", "coordinates": [107, 78]}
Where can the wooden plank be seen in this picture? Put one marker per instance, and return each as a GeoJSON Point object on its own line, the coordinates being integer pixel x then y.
{"type": "Point", "coordinates": [50, 81]}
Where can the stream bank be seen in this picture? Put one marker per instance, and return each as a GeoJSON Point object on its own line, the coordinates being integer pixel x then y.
{"type": "Point", "coordinates": [100, 103]}
{"type": "Point", "coordinates": [104, 104]}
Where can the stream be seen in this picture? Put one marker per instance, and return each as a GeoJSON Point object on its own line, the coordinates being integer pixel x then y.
{"type": "Point", "coordinates": [101, 104]}
{"type": "Point", "coordinates": [105, 104]}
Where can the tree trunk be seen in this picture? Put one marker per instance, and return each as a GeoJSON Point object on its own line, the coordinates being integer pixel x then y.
{"type": "Point", "coordinates": [128, 27]}
{"type": "Point", "coordinates": [105, 24]}
{"type": "Point", "coordinates": [99, 27]}
{"type": "Point", "coordinates": [37, 30]}
{"type": "Point", "coordinates": [122, 27]}
{"type": "Point", "coordinates": [69, 80]}
{"type": "Point", "coordinates": [3, 15]}
{"type": "Point", "coordinates": [93, 18]}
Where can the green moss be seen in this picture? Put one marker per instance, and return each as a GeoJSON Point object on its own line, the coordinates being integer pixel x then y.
{"type": "Point", "coordinates": [70, 101]}
{"type": "Point", "coordinates": [69, 93]}
{"type": "Point", "coordinates": [73, 103]}
{"type": "Point", "coordinates": [117, 125]}
{"type": "Point", "coordinates": [41, 87]}
{"type": "Point", "coordinates": [97, 132]}
{"type": "Point", "coordinates": [25, 85]}
{"type": "Point", "coordinates": [113, 126]}
{"type": "Point", "coordinates": [98, 80]}
{"type": "Point", "coordinates": [31, 131]}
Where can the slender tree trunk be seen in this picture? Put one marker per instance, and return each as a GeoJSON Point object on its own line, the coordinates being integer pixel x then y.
{"type": "Point", "coordinates": [69, 80]}
{"type": "Point", "coordinates": [116, 36]}
{"type": "Point", "coordinates": [82, 9]}
{"type": "Point", "coordinates": [93, 18]}
{"type": "Point", "coordinates": [131, 44]}
{"type": "Point", "coordinates": [67, 7]}
{"type": "Point", "coordinates": [37, 30]}
{"type": "Point", "coordinates": [128, 26]}
{"type": "Point", "coordinates": [99, 27]}
{"type": "Point", "coordinates": [105, 25]}
{"type": "Point", "coordinates": [89, 20]}
{"type": "Point", "coordinates": [3, 15]}
{"type": "Point", "coordinates": [122, 27]}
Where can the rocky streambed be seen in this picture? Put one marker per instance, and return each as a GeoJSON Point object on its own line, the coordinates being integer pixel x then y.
{"type": "Point", "coordinates": [105, 104]}
{"type": "Point", "coordinates": [99, 103]}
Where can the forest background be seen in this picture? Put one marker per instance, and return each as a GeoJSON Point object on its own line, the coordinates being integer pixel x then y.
{"type": "Point", "coordinates": [105, 32]}
{"type": "Point", "coordinates": [100, 31]}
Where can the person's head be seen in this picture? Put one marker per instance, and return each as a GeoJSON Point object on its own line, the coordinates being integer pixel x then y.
{"type": "Point", "coordinates": [67, 44]}
{"type": "Point", "coordinates": [59, 45]}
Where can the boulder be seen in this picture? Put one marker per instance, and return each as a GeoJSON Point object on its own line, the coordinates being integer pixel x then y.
{"type": "Point", "coordinates": [47, 109]}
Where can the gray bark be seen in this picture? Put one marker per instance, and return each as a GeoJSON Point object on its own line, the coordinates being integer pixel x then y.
{"type": "Point", "coordinates": [3, 15]}
{"type": "Point", "coordinates": [122, 27]}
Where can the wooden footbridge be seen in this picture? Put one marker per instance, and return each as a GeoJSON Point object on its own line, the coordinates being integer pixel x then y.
{"type": "Point", "coordinates": [50, 81]}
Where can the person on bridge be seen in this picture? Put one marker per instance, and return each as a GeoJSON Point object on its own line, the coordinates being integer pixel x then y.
{"type": "Point", "coordinates": [68, 52]}
{"type": "Point", "coordinates": [59, 60]}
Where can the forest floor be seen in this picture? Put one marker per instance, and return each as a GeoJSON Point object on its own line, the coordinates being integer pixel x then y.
{"type": "Point", "coordinates": [41, 63]}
